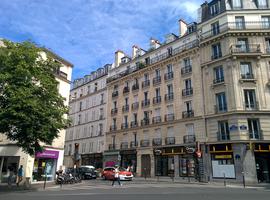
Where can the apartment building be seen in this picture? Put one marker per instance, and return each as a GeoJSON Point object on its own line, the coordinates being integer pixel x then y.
{"type": "Point", "coordinates": [234, 52]}
{"type": "Point", "coordinates": [85, 138]}
{"type": "Point", "coordinates": [51, 159]}
{"type": "Point", "coordinates": [197, 104]}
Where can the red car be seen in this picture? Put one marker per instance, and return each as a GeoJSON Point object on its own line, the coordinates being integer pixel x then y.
{"type": "Point", "coordinates": [108, 174]}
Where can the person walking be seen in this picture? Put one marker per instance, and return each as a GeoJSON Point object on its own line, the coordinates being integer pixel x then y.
{"type": "Point", "coordinates": [116, 176]}
{"type": "Point", "coordinates": [20, 175]}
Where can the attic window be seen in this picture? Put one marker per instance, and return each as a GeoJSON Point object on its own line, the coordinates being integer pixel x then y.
{"type": "Point", "coordinates": [215, 8]}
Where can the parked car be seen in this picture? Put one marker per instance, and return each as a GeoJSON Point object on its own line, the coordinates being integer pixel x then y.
{"type": "Point", "coordinates": [86, 172]}
{"type": "Point", "coordinates": [108, 174]}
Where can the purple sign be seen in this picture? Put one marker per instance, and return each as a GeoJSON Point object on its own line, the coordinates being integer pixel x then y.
{"type": "Point", "coordinates": [48, 154]}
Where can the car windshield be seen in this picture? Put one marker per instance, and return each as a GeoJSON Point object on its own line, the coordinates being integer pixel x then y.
{"type": "Point", "coordinates": [122, 169]}
{"type": "Point", "coordinates": [85, 169]}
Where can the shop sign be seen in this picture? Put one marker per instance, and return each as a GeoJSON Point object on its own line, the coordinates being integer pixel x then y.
{"type": "Point", "coordinates": [48, 154]}
{"type": "Point", "coordinates": [190, 149]}
{"type": "Point", "coordinates": [233, 127]}
{"type": "Point", "coordinates": [223, 156]}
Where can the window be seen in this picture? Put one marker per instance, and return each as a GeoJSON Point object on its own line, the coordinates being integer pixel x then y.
{"type": "Point", "coordinates": [157, 72]}
{"type": "Point", "coordinates": [236, 4]}
{"type": "Point", "coordinates": [266, 22]}
{"type": "Point", "coordinates": [216, 51]}
{"type": "Point", "coordinates": [190, 129]}
{"type": "Point", "coordinates": [79, 119]}
{"type": "Point", "coordinates": [101, 113]}
{"type": "Point", "coordinates": [147, 61]}
{"type": "Point", "coordinates": [125, 119]}
{"type": "Point", "coordinates": [157, 92]}
{"type": "Point", "coordinates": [170, 109]}
{"type": "Point", "coordinates": [100, 129]}
{"type": "Point", "coordinates": [170, 89]}
{"type": "Point", "coordinates": [218, 74]}
{"type": "Point", "coordinates": [215, 8]}
{"type": "Point", "coordinates": [262, 4]}
{"type": "Point", "coordinates": [101, 98]}
{"type": "Point", "coordinates": [246, 70]}
{"type": "Point", "coordinates": [145, 96]}
{"type": "Point", "coordinates": [146, 115]}
{"type": "Point", "coordinates": [250, 99]}
{"type": "Point", "coordinates": [170, 131]}
{"type": "Point", "coordinates": [157, 112]}
{"type": "Point", "coordinates": [96, 85]}
{"type": "Point", "coordinates": [169, 68]}
{"type": "Point", "coordinates": [221, 102]}
{"type": "Point", "coordinates": [81, 103]}
{"type": "Point", "coordinates": [215, 28]}
{"type": "Point", "coordinates": [88, 89]}
{"type": "Point", "coordinates": [242, 45]}
{"type": "Point", "coordinates": [188, 84]}
{"type": "Point", "coordinates": [187, 62]}
{"type": "Point", "coordinates": [158, 133]}
{"type": "Point", "coordinates": [126, 101]}
{"type": "Point", "coordinates": [135, 117]}
{"type": "Point", "coordinates": [115, 104]}
{"type": "Point", "coordinates": [169, 51]}
{"type": "Point", "coordinates": [240, 22]}
{"type": "Point", "coordinates": [146, 77]}
{"type": "Point", "coordinates": [188, 105]}
{"type": "Point", "coordinates": [267, 44]}
{"type": "Point", "coordinates": [254, 128]}
{"type": "Point", "coordinates": [223, 130]}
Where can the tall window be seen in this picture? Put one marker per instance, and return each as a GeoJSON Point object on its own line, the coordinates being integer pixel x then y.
{"type": "Point", "coordinates": [170, 89]}
{"type": "Point", "coordinates": [237, 4]}
{"type": "Point", "coordinates": [145, 96]}
{"type": "Point", "coordinates": [190, 129]}
{"type": "Point", "coordinates": [267, 44]}
{"type": "Point", "coordinates": [157, 92]}
{"type": "Point", "coordinates": [246, 70]}
{"type": "Point", "coordinates": [240, 22]}
{"type": "Point", "coordinates": [216, 51]}
{"type": "Point", "coordinates": [215, 28]}
{"type": "Point", "coordinates": [81, 103]}
{"type": "Point", "coordinates": [157, 72]}
{"type": "Point", "coordinates": [126, 101]}
{"type": "Point", "coordinates": [242, 45]}
{"type": "Point", "coordinates": [218, 74]}
{"type": "Point", "coordinates": [188, 106]}
{"type": "Point", "coordinates": [157, 112]}
{"type": "Point", "coordinates": [215, 8]}
{"type": "Point", "coordinates": [135, 117]}
{"type": "Point", "coordinates": [223, 130]}
{"type": "Point", "coordinates": [250, 99]}
{"type": "Point", "coordinates": [170, 109]}
{"type": "Point", "coordinates": [101, 98]}
{"type": "Point", "coordinates": [254, 129]}
{"type": "Point", "coordinates": [221, 102]}
{"type": "Point", "coordinates": [266, 22]}
{"type": "Point", "coordinates": [188, 84]}
{"type": "Point", "coordinates": [115, 104]}
{"type": "Point", "coordinates": [146, 77]}
{"type": "Point", "coordinates": [262, 4]}
{"type": "Point", "coordinates": [187, 62]}
{"type": "Point", "coordinates": [169, 68]}
{"type": "Point", "coordinates": [146, 115]}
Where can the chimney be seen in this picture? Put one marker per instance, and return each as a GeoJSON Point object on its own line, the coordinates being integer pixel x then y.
{"type": "Point", "coordinates": [182, 27]}
{"type": "Point", "coordinates": [118, 56]}
{"type": "Point", "coordinates": [154, 44]}
{"type": "Point", "coordinates": [135, 51]}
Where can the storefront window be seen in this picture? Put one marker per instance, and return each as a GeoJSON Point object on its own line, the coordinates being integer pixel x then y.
{"type": "Point", "coordinates": [223, 165]}
{"type": "Point", "coordinates": [187, 166]}
{"type": "Point", "coordinates": [44, 167]}
{"type": "Point", "coordinates": [9, 168]}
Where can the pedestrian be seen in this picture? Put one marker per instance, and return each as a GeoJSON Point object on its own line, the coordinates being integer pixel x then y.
{"type": "Point", "coordinates": [128, 168]}
{"type": "Point", "coordinates": [20, 175]}
{"type": "Point", "coordinates": [116, 176]}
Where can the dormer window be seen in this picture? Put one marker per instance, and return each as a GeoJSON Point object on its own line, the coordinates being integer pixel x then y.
{"type": "Point", "coordinates": [262, 4]}
{"type": "Point", "coordinates": [237, 4]}
{"type": "Point", "coordinates": [215, 8]}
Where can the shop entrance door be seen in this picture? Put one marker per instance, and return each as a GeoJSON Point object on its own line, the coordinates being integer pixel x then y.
{"type": "Point", "coordinates": [263, 167]}
{"type": "Point", "coordinates": [146, 165]}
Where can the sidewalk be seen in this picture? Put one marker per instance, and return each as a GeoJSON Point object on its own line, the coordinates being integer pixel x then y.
{"type": "Point", "coordinates": [34, 186]}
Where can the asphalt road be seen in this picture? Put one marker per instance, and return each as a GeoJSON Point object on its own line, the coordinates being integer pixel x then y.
{"type": "Point", "coordinates": [131, 191]}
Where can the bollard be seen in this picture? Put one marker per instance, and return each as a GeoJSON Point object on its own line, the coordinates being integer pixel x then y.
{"type": "Point", "coordinates": [224, 179]}
{"type": "Point", "coordinates": [44, 186]}
{"type": "Point", "coordinates": [144, 173]}
{"type": "Point", "coordinates": [244, 181]}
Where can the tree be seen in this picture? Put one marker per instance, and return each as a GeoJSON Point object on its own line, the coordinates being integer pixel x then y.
{"type": "Point", "coordinates": [31, 109]}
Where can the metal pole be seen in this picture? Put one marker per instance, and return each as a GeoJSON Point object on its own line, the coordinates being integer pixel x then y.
{"type": "Point", "coordinates": [244, 181]}
{"type": "Point", "coordinates": [224, 179]}
{"type": "Point", "coordinates": [144, 173]}
{"type": "Point", "coordinates": [44, 186]}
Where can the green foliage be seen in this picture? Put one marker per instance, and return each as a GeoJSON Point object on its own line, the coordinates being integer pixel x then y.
{"type": "Point", "coordinates": [31, 109]}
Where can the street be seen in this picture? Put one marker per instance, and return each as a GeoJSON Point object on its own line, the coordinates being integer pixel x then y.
{"type": "Point", "coordinates": [99, 190]}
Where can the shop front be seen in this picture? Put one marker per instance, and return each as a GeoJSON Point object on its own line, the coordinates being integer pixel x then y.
{"type": "Point", "coordinates": [8, 168]}
{"type": "Point", "coordinates": [222, 161]}
{"type": "Point", "coordinates": [111, 158]}
{"type": "Point", "coordinates": [95, 159]}
{"type": "Point", "coordinates": [129, 159]}
{"type": "Point", "coordinates": [262, 160]}
{"type": "Point", "coordinates": [45, 165]}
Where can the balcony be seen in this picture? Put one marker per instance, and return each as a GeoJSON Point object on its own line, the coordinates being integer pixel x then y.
{"type": "Point", "coordinates": [251, 106]}
{"type": "Point", "coordinates": [125, 108]}
{"type": "Point", "coordinates": [126, 90]}
{"type": "Point", "coordinates": [135, 87]}
{"type": "Point", "coordinates": [112, 147]}
{"type": "Point", "coordinates": [247, 76]}
{"type": "Point", "coordinates": [124, 126]}
{"type": "Point", "coordinates": [188, 114]}
{"type": "Point", "coordinates": [248, 48]}
{"type": "Point", "coordinates": [145, 143]}
{"type": "Point", "coordinates": [135, 106]}
{"type": "Point", "coordinates": [157, 100]}
{"type": "Point", "coordinates": [157, 141]}
{"type": "Point", "coordinates": [157, 80]}
{"type": "Point", "coordinates": [156, 119]}
{"type": "Point", "coordinates": [169, 117]}
{"type": "Point", "coordinates": [133, 124]}
{"type": "Point", "coordinates": [216, 55]}
{"type": "Point", "coordinates": [124, 145]}
{"type": "Point", "coordinates": [133, 144]}
{"type": "Point", "coordinates": [187, 92]}
{"type": "Point", "coordinates": [186, 70]}
{"type": "Point", "coordinates": [145, 103]}
{"type": "Point", "coordinates": [145, 83]}
{"type": "Point", "coordinates": [189, 139]}
{"type": "Point", "coordinates": [222, 136]}
{"type": "Point", "coordinates": [113, 128]}
{"type": "Point", "coordinates": [115, 94]}
{"type": "Point", "coordinates": [218, 80]}
{"type": "Point", "coordinates": [169, 140]}
{"type": "Point", "coordinates": [168, 76]}
{"type": "Point", "coordinates": [145, 122]}
{"type": "Point", "coordinates": [237, 27]}
{"type": "Point", "coordinates": [169, 97]}
{"type": "Point", "coordinates": [114, 111]}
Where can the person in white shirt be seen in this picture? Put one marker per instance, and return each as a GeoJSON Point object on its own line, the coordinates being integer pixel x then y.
{"type": "Point", "coordinates": [116, 176]}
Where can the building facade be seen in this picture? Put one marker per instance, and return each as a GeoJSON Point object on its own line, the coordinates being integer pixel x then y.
{"type": "Point", "coordinates": [51, 159]}
{"type": "Point", "coordinates": [85, 138]}
{"type": "Point", "coordinates": [196, 105]}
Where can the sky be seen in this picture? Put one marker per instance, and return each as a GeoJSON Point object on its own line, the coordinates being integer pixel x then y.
{"type": "Point", "coordinates": [88, 32]}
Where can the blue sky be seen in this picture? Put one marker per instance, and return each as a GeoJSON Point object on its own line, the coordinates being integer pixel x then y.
{"type": "Point", "coordinates": [88, 32]}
